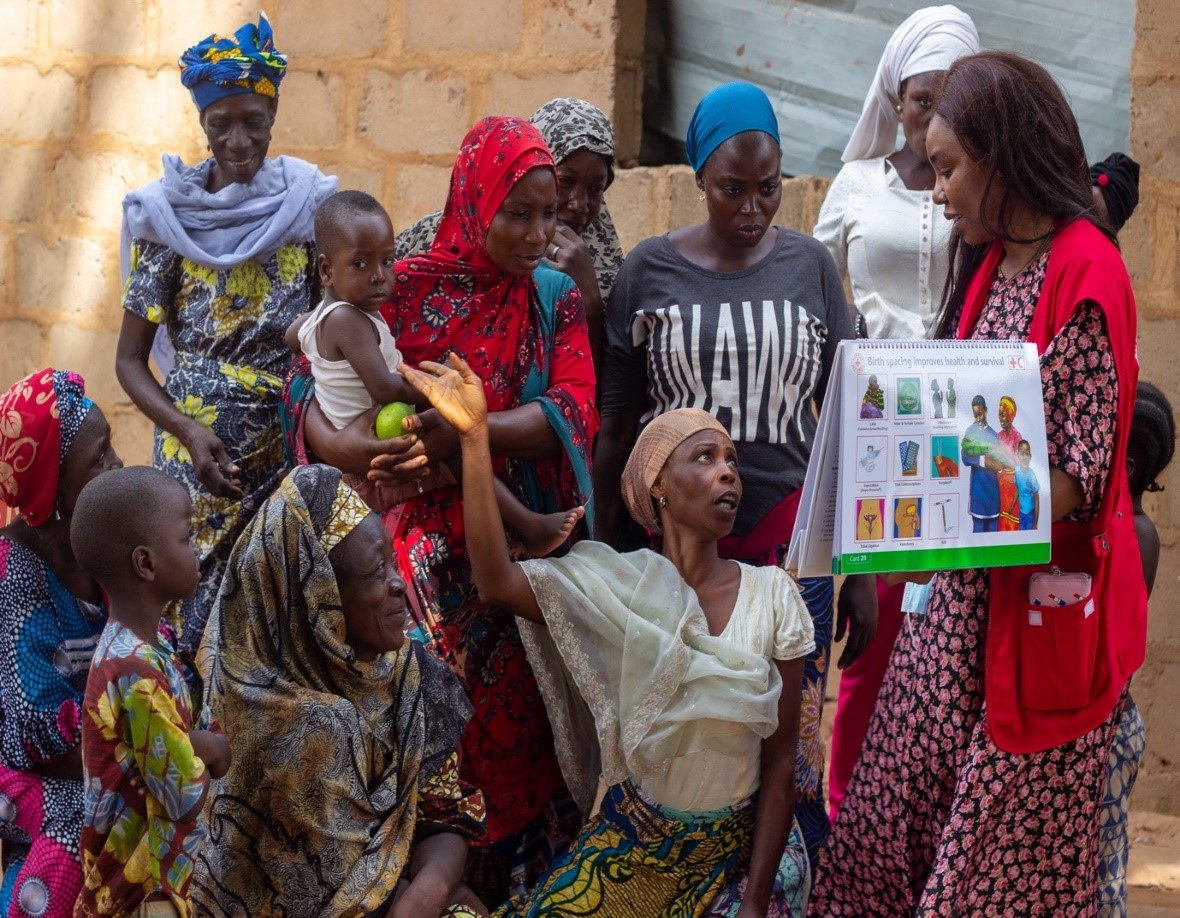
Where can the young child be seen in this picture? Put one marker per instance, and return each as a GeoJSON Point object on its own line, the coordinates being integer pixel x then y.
{"type": "Point", "coordinates": [1028, 489]}
{"type": "Point", "coordinates": [354, 357]}
{"type": "Point", "coordinates": [1149, 450]}
{"type": "Point", "coordinates": [146, 767]}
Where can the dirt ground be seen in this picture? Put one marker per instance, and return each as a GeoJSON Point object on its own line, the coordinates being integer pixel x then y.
{"type": "Point", "coordinates": [1153, 867]}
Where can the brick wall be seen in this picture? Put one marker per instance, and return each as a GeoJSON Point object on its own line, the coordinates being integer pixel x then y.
{"type": "Point", "coordinates": [380, 92]}
{"type": "Point", "coordinates": [1151, 247]}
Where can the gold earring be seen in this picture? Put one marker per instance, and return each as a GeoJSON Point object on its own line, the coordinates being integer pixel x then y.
{"type": "Point", "coordinates": [701, 196]}
{"type": "Point", "coordinates": [897, 108]}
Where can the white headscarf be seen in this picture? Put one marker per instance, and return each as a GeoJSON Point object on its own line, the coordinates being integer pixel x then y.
{"type": "Point", "coordinates": [933, 38]}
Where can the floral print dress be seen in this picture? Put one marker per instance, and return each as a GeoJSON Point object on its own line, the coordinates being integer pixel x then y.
{"type": "Point", "coordinates": [937, 819]}
{"type": "Point", "coordinates": [227, 328]}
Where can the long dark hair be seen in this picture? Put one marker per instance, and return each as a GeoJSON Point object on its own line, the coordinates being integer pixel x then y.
{"type": "Point", "coordinates": [1012, 118]}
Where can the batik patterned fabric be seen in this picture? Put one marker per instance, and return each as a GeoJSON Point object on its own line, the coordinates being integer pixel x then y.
{"type": "Point", "coordinates": [222, 66]}
{"type": "Point", "coordinates": [41, 879]}
{"type": "Point", "coordinates": [337, 763]}
{"type": "Point", "coordinates": [1122, 769]}
{"type": "Point", "coordinates": [937, 819]}
{"type": "Point", "coordinates": [47, 639]}
{"type": "Point", "coordinates": [567, 126]}
{"type": "Point", "coordinates": [135, 839]}
{"type": "Point", "coordinates": [636, 857]}
{"type": "Point", "coordinates": [227, 328]}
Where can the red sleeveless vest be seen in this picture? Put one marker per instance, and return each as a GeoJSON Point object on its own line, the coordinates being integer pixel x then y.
{"type": "Point", "coordinates": [1053, 676]}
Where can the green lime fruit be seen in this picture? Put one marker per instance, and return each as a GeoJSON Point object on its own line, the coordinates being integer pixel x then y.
{"type": "Point", "coordinates": [389, 420]}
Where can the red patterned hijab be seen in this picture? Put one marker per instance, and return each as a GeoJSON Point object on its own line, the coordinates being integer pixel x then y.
{"type": "Point", "coordinates": [455, 297]}
{"type": "Point", "coordinates": [39, 418]}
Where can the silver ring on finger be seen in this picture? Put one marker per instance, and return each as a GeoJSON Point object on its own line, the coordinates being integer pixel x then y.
{"type": "Point", "coordinates": [553, 250]}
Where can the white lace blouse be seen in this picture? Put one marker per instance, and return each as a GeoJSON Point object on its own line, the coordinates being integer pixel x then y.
{"type": "Point", "coordinates": [891, 242]}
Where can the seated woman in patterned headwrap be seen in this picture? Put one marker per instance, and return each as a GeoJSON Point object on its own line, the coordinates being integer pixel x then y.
{"type": "Point", "coordinates": [52, 442]}
{"type": "Point", "coordinates": [480, 291]}
{"type": "Point", "coordinates": [219, 255]}
{"type": "Point", "coordinates": [676, 676]}
{"type": "Point", "coordinates": [344, 797]}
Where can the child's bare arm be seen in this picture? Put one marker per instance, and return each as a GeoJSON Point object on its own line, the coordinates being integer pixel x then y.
{"type": "Point", "coordinates": [348, 334]}
{"type": "Point", "coordinates": [291, 335]}
{"type": "Point", "coordinates": [212, 748]}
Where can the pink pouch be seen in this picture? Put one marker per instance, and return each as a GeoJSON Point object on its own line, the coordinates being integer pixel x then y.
{"type": "Point", "coordinates": [1058, 642]}
{"type": "Point", "coordinates": [1055, 588]}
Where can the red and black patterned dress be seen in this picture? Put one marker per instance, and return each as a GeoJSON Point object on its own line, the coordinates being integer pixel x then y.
{"type": "Point", "coordinates": [937, 819]}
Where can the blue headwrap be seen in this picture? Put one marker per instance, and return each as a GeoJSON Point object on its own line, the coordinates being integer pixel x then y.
{"type": "Point", "coordinates": [729, 109]}
{"type": "Point", "coordinates": [72, 406]}
{"type": "Point", "coordinates": [247, 63]}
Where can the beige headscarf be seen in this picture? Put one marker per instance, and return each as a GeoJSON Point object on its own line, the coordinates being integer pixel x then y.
{"type": "Point", "coordinates": [657, 442]}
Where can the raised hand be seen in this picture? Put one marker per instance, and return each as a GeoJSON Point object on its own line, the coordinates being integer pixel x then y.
{"type": "Point", "coordinates": [455, 391]}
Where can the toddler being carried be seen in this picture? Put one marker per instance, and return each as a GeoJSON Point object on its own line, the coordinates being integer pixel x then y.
{"type": "Point", "coordinates": [354, 357]}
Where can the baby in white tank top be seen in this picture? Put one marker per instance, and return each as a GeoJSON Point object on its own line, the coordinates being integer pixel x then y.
{"type": "Point", "coordinates": [354, 357]}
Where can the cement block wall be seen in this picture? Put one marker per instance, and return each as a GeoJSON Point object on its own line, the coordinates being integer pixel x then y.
{"type": "Point", "coordinates": [1151, 248]}
{"type": "Point", "coordinates": [380, 92]}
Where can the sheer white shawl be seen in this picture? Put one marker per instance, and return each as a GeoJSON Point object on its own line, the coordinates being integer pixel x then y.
{"type": "Point", "coordinates": [626, 663]}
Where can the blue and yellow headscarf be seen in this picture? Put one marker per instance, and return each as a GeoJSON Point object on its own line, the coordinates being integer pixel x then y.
{"type": "Point", "coordinates": [246, 63]}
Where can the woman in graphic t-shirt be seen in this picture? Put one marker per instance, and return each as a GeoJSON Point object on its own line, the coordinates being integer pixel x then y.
{"type": "Point", "coordinates": [739, 318]}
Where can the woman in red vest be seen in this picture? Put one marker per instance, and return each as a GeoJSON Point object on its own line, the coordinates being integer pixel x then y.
{"type": "Point", "coordinates": [978, 788]}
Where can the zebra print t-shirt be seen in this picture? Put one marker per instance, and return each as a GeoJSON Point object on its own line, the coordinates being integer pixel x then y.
{"type": "Point", "coordinates": [753, 348]}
